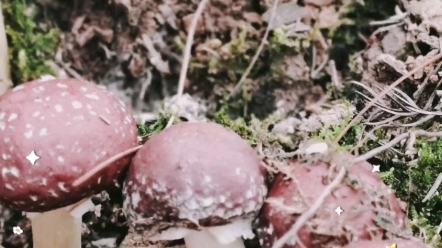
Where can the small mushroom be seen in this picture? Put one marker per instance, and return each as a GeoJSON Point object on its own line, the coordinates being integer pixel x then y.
{"type": "Point", "coordinates": [401, 243]}
{"type": "Point", "coordinates": [51, 132]}
{"type": "Point", "coordinates": [197, 181]}
{"type": "Point", "coordinates": [362, 196]}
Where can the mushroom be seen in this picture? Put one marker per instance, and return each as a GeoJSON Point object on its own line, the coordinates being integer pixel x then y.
{"type": "Point", "coordinates": [51, 132]}
{"type": "Point", "coordinates": [401, 243]}
{"type": "Point", "coordinates": [362, 196]}
{"type": "Point", "coordinates": [197, 181]}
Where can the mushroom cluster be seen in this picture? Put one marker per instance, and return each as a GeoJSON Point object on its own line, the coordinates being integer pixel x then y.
{"type": "Point", "coordinates": [62, 140]}
{"type": "Point", "coordinates": [51, 132]}
{"type": "Point", "coordinates": [197, 181]}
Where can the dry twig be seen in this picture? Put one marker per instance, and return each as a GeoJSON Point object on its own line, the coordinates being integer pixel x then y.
{"type": "Point", "coordinates": [187, 53]}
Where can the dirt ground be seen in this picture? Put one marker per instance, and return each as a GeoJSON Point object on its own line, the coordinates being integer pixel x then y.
{"type": "Point", "coordinates": [279, 71]}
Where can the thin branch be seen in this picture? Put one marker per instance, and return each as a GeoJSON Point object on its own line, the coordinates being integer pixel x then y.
{"type": "Point", "coordinates": [187, 52]}
{"type": "Point", "coordinates": [303, 218]}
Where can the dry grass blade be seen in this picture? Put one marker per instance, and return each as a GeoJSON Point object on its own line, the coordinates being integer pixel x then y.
{"type": "Point", "coordinates": [103, 165]}
{"type": "Point", "coordinates": [187, 52]}
{"type": "Point", "coordinates": [386, 109]}
{"type": "Point", "coordinates": [383, 122]}
{"type": "Point", "coordinates": [383, 93]}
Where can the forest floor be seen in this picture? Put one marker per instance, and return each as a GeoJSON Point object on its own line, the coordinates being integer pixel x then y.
{"type": "Point", "coordinates": [277, 72]}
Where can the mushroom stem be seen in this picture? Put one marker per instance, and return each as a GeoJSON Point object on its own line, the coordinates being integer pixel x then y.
{"type": "Point", "coordinates": [203, 239]}
{"type": "Point", "coordinates": [59, 228]}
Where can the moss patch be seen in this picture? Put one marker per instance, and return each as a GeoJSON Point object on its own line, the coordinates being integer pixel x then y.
{"type": "Point", "coordinates": [29, 44]}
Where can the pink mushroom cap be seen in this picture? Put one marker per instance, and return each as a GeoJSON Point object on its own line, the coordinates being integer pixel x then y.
{"type": "Point", "coordinates": [193, 175]}
{"type": "Point", "coordinates": [302, 188]}
{"type": "Point", "coordinates": [387, 243]}
{"type": "Point", "coordinates": [72, 126]}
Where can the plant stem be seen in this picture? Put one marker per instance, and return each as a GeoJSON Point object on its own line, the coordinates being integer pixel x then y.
{"type": "Point", "coordinates": [5, 78]}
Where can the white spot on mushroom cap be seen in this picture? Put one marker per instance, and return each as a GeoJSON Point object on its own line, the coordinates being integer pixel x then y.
{"type": "Point", "coordinates": [12, 117]}
{"type": "Point", "coordinates": [12, 171]}
{"type": "Point", "coordinates": [28, 134]}
{"type": "Point", "coordinates": [77, 105]}
{"type": "Point", "coordinates": [92, 96]}
{"type": "Point", "coordinates": [62, 187]}
{"type": "Point", "coordinates": [58, 108]}
{"type": "Point", "coordinates": [6, 156]}
{"type": "Point", "coordinates": [43, 132]}
{"type": "Point", "coordinates": [53, 194]}
{"type": "Point", "coordinates": [136, 198]}
{"type": "Point", "coordinates": [9, 186]}
{"type": "Point", "coordinates": [63, 86]}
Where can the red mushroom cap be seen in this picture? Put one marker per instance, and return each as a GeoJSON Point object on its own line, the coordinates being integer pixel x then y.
{"type": "Point", "coordinates": [191, 175]}
{"type": "Point", "coordinates": [72, 126]}
{"type": "Point", "coordinates": [386, 243]}
{"type": "Point", "coordinates": [357, 221]}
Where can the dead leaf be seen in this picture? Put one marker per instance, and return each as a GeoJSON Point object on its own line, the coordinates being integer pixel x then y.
{"type": "Point", "coordinates": [106, 35]}
{"type": "Point", "coordinates": [187, 20]}
{"type": "Point", "coordinates": [286, 13]}
{"type": "Point", "coordinates": [328, 17]}
{"type": "Point", "coordinates": [85, 36]}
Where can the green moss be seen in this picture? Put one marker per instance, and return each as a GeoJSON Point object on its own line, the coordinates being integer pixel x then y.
{"type": "Point", "coordinates": [423, 177]}
{"type": "Point", "coordinates": [239, 126]}
{"type": "Point", "coordinates": [420, 225]}
{"type": "Point", "coordinates": [255, 131]}
{"type": "Point", "coordinates": [411, 183]}
{"type": "Point", "coordinates": [151, 128]}
{"type": "Point", "coordinates": [398, 180]}
{"type": "Point", "coordinates": [29, 45]}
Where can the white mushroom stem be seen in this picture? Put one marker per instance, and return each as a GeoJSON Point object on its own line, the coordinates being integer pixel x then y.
{"type": "Point", "coordinates": [227, 236]}
{"type": "Point", "coordinates": [59, 228]}
{"type": "Point", "coordinates": [203, 239]}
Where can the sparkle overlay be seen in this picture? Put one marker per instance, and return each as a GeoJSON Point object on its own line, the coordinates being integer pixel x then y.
{"type": "Point", "coordinates": [339, 210]}
{"type": "Point", "coordinates": [33, 157]}
{"type": "Point", "coordinates": [376, 168]}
